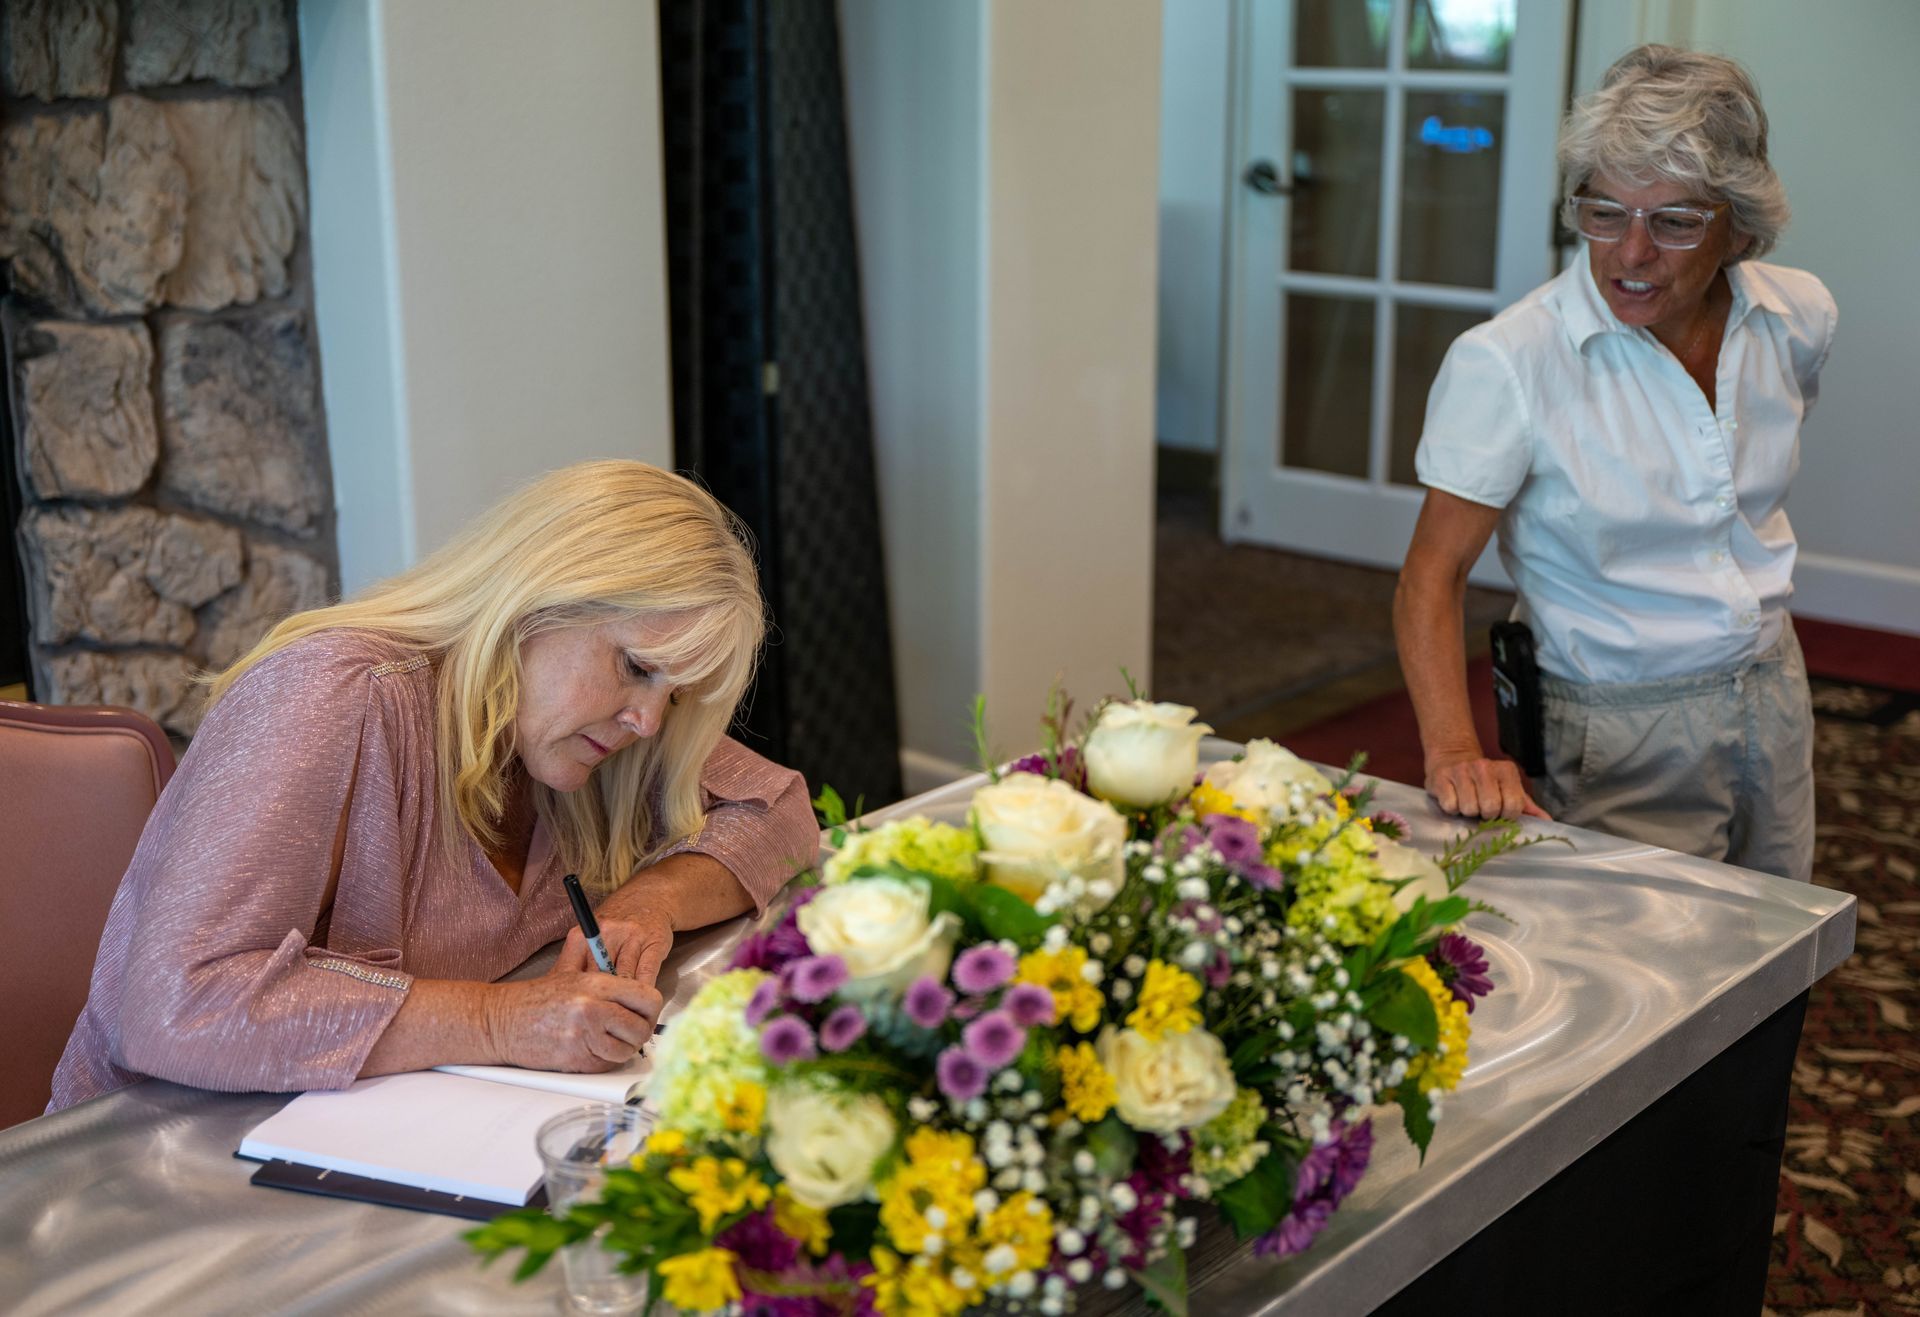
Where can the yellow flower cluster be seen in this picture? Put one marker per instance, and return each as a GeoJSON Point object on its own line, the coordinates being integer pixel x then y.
{"type": "Point", "coordinates": [700, 1282]}
{"type": "Point", "coordinates": [1427, 1071]}
{"type": "Point", "coordinates": [716, 1188]}
{"type": "Point", "coordinates": [1167, 997]}
{"type": "Point", "coordinates": [1210, 799]}
{"type": "Point", "coordinates": [1023, 1223]}
{"type": "Point", "coordinates": [744, 1110]}
{"type": "Point", "coordinates": [940, 1171]}
{"type": "Point", "coordinates": [664, 1143]}
{"type": "Point", "coordinates": [915, 1287]}
{"type": "Point", "coordinates": [1075, 1000]}
{"type": "Point", "coordinates": [1086, 1089]}
{"type": "Point", "coordinates": [809, 1225]}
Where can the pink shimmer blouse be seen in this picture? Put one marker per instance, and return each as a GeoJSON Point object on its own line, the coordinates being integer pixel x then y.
{"type": "Point", "coordinates": [211, 971]}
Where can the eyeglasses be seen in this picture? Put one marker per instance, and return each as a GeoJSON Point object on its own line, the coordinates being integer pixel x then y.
{"type": "Point", "coordinates": [1676, 228]}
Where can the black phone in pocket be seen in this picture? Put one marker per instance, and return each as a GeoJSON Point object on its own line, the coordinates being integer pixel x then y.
{"type": "Point", "coordinates": [1516, 697]}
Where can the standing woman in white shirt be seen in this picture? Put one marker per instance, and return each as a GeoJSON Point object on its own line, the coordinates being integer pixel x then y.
{"type": "Point", "coordinates": [1631, 428]}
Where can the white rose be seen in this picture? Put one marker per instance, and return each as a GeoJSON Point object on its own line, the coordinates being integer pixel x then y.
{"type": "Point", "coordinates": [1264, 778]}
{"type": "Point", "coordinates": [1037, 832]}
{"type": "Point", "coordinates": [1143, 754]}
{"type": "Point", "coordinates": [825, 1144]}
{"type": "Point", "coordinates": [880, 928]}
{"type": "Point", "coordinates": [1397, 862]}
{"type": "Point", "coordinates": [1178, 1083]}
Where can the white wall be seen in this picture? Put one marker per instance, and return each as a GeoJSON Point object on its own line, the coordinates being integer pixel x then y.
{"type": "Point", "coordinates": [1195, 47]}
{"type": "Point", "coordinates": [489, 263]}
{"type": "Point", "coordinates": [1005, 160]}
{"type": "Point", "coordinates": [1844, 109]}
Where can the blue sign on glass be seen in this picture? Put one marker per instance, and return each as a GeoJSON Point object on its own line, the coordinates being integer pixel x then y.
{"type": "Point", "coordinates": [1457, 141]}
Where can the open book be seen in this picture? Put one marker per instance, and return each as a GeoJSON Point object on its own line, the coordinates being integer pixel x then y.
{"type": "Point", "coordinates": [458, 1140]}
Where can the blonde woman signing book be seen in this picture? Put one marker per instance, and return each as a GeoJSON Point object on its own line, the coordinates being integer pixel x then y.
{"type": "Point", "coordinates": [375, 818]}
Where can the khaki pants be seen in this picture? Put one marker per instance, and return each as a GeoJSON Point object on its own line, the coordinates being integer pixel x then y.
{"type": "Point", "coordinates": [1718, 765]}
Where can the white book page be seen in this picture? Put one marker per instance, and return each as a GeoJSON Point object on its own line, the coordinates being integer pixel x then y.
{"type": "Point", "coordinates": [627, 1084]}
{"type": "Point", "coordinates": [426, 1130]}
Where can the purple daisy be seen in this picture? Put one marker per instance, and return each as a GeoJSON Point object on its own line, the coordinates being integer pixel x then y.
{"type": "Point", "coordinates": [1462, 965]}
{"type": "Point", "coordinates": [927, 1003]}
{"type": "Point", "coordinates": [982, 968]}
{"type": "Point", "coordinates": [1264, 876]}
{"type": "Point", "coordinates": [1296, 1231]}
{"type": "Point", "coordinates": [843, 1028]}
{"type": "Point", "coordinates": [815, 978]}
{"type": "Point", "coordinates": [961, 1077]}
{"type": "Point", "coordinates": [1390, 825]}
{"type": "Point", "coordinates": [760, 1244]}
{"type": "Point", "coordinates": [1234, 839]}
{"type": "Point", "coordinates": [765, 997]}
{"type": "Point", "coordinates": [994, 1039]}
{"type": "Point", "coordinates": [1314, 1170]}
{"type": "Point", "coordinates": [786, 1040]}
{"type": "Point", "coordinates": [1356, 1150]}
{"type": "Point", "coordinates": [1029, 1004]}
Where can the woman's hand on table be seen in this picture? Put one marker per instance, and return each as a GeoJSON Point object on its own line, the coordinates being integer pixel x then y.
{"type": "Point", "coordinates": [636, 944]}
{"type": "Point", "coordinates": [571, 1019]}
{"type": "Point", "coordinates": [1478, 787]}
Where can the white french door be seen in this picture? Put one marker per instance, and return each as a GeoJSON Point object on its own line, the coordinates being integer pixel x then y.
{"type": "Point", "coordinates": [1394, 184]}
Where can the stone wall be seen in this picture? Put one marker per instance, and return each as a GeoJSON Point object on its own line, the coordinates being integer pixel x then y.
{"type": "Point", "coordinates": [158, 330]}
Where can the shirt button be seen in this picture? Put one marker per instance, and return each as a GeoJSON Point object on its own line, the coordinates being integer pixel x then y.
{"type": "Point", "coordinates": [1719, 555]}
{"type": "Point", "coordinates": [1724, 502]}
{"type": "Point", "coordinates": [1748, 619]}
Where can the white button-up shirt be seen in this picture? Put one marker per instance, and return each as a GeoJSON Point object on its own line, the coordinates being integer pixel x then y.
{"type": "Point", "coordinates": [1645, 531]}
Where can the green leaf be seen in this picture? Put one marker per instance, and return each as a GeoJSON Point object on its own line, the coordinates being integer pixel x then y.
{"type": "Point", "coordinates": [1165, 1282]}
{"type": "Point", "coordinates": [1256, 1201]}
{"type": "Point", "coordinates": [1403, 1007]}
{"type": "Point", "coordinates": [1004, 915]}
{"type": "Point", "coordinates": [831, 809]}
{"type": "Point", "coordinates": [1112, 1145]}
{"type": "Point", "coordinates": [1417, 1116]}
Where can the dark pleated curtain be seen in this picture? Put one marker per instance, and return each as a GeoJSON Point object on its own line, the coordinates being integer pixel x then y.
{"type": "Point", "coordinates": [769, 366]}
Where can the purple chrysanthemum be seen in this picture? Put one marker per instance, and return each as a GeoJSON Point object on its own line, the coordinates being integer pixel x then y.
{"type": "Point", "coordinates": [771, 950]}
{"type": "Point", "coordinates": [786, 1040]}
{"type": "Point", "coordinates": [1234, 839]}
{"type": "Point", "coordinates": [1165, 1167]}
{"type": "Point", "coordinates": [961, 1077]}
{"type": "Point", "coordinates": [760, 1244]}
{"type": "Point", "coordinates": [927, 1003]}
{"type": "Point", "coordinates": [1314, 1169]}
{"type": "Point", "coordinates": [994, 1039]}
{"type": "Point", "coordinates": [843, 1028]}
{"type": "Point", "coordinates": [1220, 969]}
{"type": "Point", "coordinates": [815, 978]}
{"type": "Point", "coordinates": [1356, 1150]}
{"type": "Point", "coordinates": [1029, 1004]}
{"type": "Point", "coordinates": [1066, 767]}
{"type": "Point", "coordinates": [982, 968]}
{"type": "Point", "coordinates": [1264, 876]}
{"type": "Point", "coordinates": [1296, 1231]}
{"type": "Point", "coordinates": [1462, 965]}
{"type": "Point", "coordinates": [1148, 1217]}
{"type": "Point", "coordinates": [765, 997]}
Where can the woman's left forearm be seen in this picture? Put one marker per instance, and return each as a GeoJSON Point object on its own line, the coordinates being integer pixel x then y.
{"type": "Point", "coordinates": [691, 889]}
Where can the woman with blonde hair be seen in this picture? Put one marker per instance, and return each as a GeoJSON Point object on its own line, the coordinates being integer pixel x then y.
{"type": "Point", "coordinates": [1631, 428]}
{"type": "Point", "coordinates": [374, 819]}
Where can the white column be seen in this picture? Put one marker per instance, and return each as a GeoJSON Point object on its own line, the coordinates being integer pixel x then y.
{"type": "Point", "coordinates": [489, 266]}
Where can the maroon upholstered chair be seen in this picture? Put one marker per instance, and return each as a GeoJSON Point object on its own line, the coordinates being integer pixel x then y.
{"type": "Point", "coordinates": [76, 786]}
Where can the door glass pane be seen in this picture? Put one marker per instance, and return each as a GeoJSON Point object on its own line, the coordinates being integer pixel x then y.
{"type": "Point", "coordinates": [1329, 370]}
{"type": "Point", "coordinates": [1450, 198]}
{"type": "Point", "coordinates": [1336, 181]}
{"type": "Point", "coordinates": [1421, 336]}
{"type": "Point", "coordinates": [1341, 34]}
{"type": "Point", "coordinates": [1459, 34]}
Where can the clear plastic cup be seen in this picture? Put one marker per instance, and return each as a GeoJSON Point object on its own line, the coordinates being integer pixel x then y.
{"type": "Point", "coordinates": [577, 1147]}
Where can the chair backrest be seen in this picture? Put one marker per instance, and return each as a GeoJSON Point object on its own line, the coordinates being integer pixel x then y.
{"type": "Point", "coordinates": [76, 786]}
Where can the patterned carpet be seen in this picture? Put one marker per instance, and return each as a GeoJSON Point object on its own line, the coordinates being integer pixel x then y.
{"type": "Point", "coordinates": [1847, 1224]}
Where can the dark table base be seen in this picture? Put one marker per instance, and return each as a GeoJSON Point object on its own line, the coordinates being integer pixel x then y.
{"type": "Point", "coordinates": [1671, 1214]}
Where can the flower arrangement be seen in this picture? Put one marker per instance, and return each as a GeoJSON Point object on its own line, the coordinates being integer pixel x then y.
{"type": "Point", "coordinates": [989, 1064]}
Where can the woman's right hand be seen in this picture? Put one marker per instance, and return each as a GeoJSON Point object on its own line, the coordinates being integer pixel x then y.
{"type": "Point", "coordinates": [579, 1021]}
{"type": "Point", "coordinates": [1478, 787]}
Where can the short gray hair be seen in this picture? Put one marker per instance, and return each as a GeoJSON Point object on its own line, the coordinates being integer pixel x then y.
{"type": "Point", "coordinates": [1688, 118]}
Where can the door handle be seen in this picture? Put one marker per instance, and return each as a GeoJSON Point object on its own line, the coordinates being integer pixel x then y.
{"type": "Point", "coordinates": [1263, 178]}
